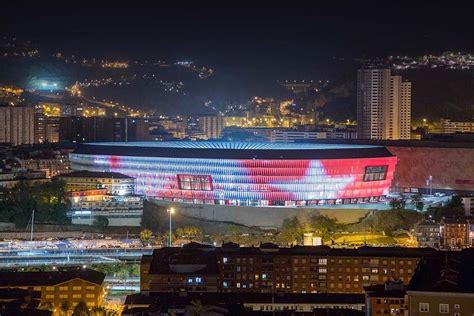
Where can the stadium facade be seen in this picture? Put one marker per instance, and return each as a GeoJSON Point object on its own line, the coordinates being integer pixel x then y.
{"type": "Point", "coordinates": [246, 174]}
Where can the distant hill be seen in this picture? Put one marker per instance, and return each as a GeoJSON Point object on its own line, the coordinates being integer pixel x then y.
{"type": "Point", "coordinates": [435, 94]}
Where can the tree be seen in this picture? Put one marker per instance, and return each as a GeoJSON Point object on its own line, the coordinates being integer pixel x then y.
{"type": "Point", "coordinates": [145, 236]}
{"type": "Point", "coordinates": [81, 309]}
{"type": "Point", "coordinates": [47, 306]}
{"type": "Point", "coordinates": [48, 199]}
{"type": "Point", "coordinates": [418, 202]}
{"type": "Point", "coordinates": [190, 232]}
{"type": "Point", "coordinates": [398, 204]}
{"type": "Point", "coordinates": [98, 311]}
{"type": "Point", "coordinates": [64, 307]}
{"type": "Point", "coordinates": [291, 230]}
{"type": "Point", "coordinates": [197, 309]}
{"type": "Point", "coordinates": [101, 222]}
{"type": "Point", "coordinates": [453, 209]}
{"type": "Point", "coordinates": [323, 225]}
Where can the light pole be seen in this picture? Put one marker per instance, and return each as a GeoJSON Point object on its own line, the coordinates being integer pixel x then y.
{"type": "Point", "coordinates": [171, 212]}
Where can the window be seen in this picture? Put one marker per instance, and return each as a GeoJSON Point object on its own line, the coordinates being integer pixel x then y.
{"type": "Point", "coordinates": [63, 296]}
{"type": "Point", "coordinates": [76, 296]}
{"type": "Point", "coordinates": [77, 288]}
{"type": "Point", "coordinates": [50, 288]}
{"type": "Point", "coordinates": [457, 306]}
{"type": "Point", "coordinates": [49, 296]}
{"type": "Point", "coordinates": [63, 288]}
{"type": "Point", "coordinates": [444, 308]}
{"type": "Point", "coordinates": [424, 307]}
{"type": "Point", "coordinates": [195, 182]}
{"type": "Point", "coordinates": [375, 173]}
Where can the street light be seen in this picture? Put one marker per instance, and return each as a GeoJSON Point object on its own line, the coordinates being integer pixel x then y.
{"type": "Point", "coordinates": [171, 212]}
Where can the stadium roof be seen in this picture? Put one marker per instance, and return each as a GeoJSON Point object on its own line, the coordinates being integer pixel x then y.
{"type": "Point", "coordinates": [234, 150]}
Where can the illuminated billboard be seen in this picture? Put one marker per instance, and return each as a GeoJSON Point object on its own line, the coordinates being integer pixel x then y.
{"type": "Point", "coordinates": [249, 174]}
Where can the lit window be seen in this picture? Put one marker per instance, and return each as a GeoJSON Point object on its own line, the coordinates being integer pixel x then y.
{"type": "Point", "coordinates": [375, 173]}
{"type": "Point", "coordinates": [195, 182]}
{"type": "Point", "coordinates": [424, 307]}
{"type": "Point", "coordinates": [444, 308]}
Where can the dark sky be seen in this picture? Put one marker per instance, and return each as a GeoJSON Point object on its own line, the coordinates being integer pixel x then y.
{"type": "Point", "coordinates": [237, 31]}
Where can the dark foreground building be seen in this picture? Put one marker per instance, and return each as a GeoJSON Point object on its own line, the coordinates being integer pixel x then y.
{"type": "Point", "coordinates": [271, 269]}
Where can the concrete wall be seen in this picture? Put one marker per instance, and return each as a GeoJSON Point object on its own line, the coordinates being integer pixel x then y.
{"type": "Point", "coordinates": [265, 217]}
{"type": "Point", "coordinates": [445, 165]}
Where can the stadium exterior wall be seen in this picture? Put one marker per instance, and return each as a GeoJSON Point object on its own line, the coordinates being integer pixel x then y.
{"type": "Point", "coordinates": [250, 174]}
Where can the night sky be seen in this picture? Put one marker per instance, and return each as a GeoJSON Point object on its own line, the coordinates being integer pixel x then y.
{"type": "Point", "coordinates": [242, 33]}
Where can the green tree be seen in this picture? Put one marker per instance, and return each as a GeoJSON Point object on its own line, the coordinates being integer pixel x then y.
{"type": "Point", "coordinates": [48, 199]}
{"type": "Point", "coordinates": [145, 236]}
{"type": "Point", "coordinates": [81, 309]}
{"type": "Point", "coordinates": [190, 232]}
{"type": "Point", "coordinates": [291, 231]}
{"type": "Point", "coordinates": [323, 225]}
{"type": "Point", "coordinates": [101, 222]}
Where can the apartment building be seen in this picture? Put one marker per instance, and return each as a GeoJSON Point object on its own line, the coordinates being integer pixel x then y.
{"type": "Point", "coordinates": [269, 268]}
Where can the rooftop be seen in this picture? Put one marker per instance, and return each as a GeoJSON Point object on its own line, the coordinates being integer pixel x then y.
{"type": "Point", "coordinates": [450, 271]}
{"type": "Point", "coordinates": [13, 279]}
{"type": "Point", "coordinates": [234, 150]}
{"type": "Point", "coordinates": [94, 174]}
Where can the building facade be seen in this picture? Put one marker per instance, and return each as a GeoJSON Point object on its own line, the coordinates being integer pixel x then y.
{"type": "Point", "coordinates": [118, 209]}
{"type": "Point", "coordinates": [428, 234]}
{"type": "Point", "coordinates": [211, 125]}
{"type": "Point", "coordinates": [17, 125]}
{"type": "Point", "coordinates": [59, 287]}
{"type": "Point", "coordinates": [246, 174]}
{"type": "Point", "coordinates": [268, 268]}
{"type": "Point", "coordinates": [383, 105]}
{"type": "Point", "coordinates": [113, 182]}
{"type": "Point", "coordinates": [448, 126]}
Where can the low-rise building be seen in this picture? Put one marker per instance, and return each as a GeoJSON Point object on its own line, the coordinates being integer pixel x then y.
{"type": "Point", "coordinates": [443, 285]}
{"type": "Point", "coordinates": [120, 210]}
{"type": "Point", "coordinates": [428, 234]}
{"type": "Point", "coordinates": [60, 288]}
{"type": "Point", "coordinates": [385, 299]}
{"type": "Point", "coordinates": [115, 183]}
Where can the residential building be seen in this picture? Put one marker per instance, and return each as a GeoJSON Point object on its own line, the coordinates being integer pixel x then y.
{"type": "Point", "coordinates": [102, 129]}
{"type": "Point", "coordinates": [46, 128]}
{"type": "Point", "coordinates": [443, 285]}
{"type": "Point", "coordinates": [212, 125]}
{"type": "Point", "coordinates": [268, 268]}
{"type": "Point", "coordinates": [115, 183]}
{"type": "Point", "coordinates": [428, 234]}
{"type": "Point", "coordinates": [118, 209]}
{"type": "Point", "coordinates": [385, 299]}
{"type": "Point", "coordinates": [57, 287]}
{"type": "Point", "coordinates": [455, 233]}
{"type": "Point", "coordinates": [468, 204]}
{"type": "Point", "coordinates": [448, 126]}
{"type": "Point", "coordinates": [383, 105]}
{"type": "Point", "coordinates": [17, 125]}
{"type": "Point", "coordinates": [51, 166]}
{"type": "Point", "coordinates": [247, 303]}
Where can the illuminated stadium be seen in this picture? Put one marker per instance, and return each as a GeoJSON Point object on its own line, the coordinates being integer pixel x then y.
{"type": "Point", "coordinates": [246, 174]}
